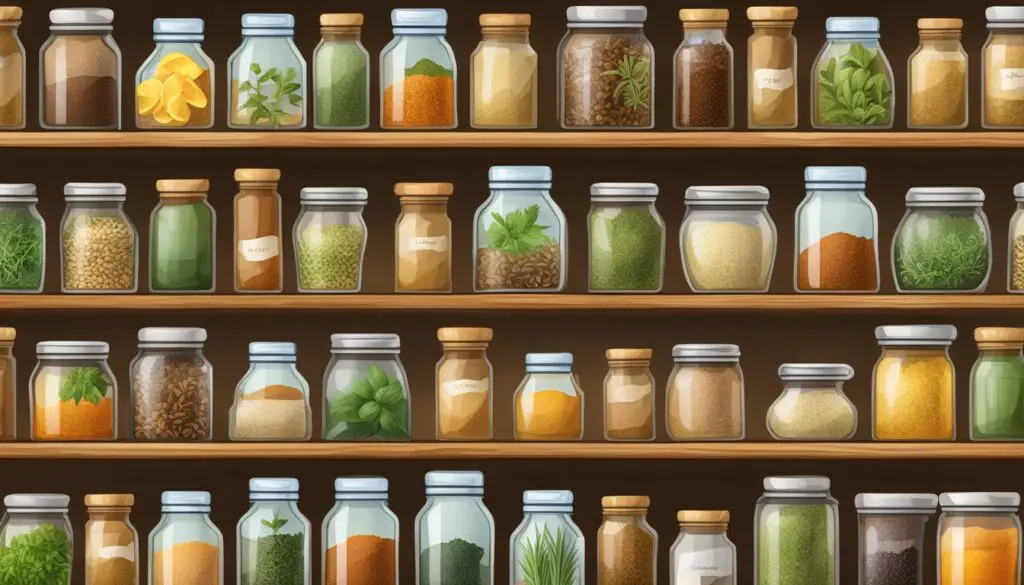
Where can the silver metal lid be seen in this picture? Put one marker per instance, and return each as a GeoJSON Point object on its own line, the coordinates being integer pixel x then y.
{"type": "Point", "coordinates": [980, 500]}
{"type": "Point", "coordinates": [274, 488]}
{"type": "Point", "coordinates": [327, 195]}
{"type": "Point", "coordinates": [95, 192]}
{"type": "Point", "coordinates": [419, 18]}
{"type": "Point", "coordinates": [852, 25]}
{"type": "Point", "coordinates": [178, 29]}
{"type": "Point", "coordinates": [455, 483]}
{"type": "Point", "coordinates": [365, 341]}
{"type": "Point", "coordinates": [361, 485]}
{"type": "Point", "coordinates": [815, 372]}
{"type": "Point", "coordinates": [937, 335]}
{"type": "Point", "coordinates": [797, 483]}
{"type": "Point", "coordinates": [624, 191]}
{"type": "Point", "coordinates": [37, 502]}
{"type": "Point", "coordinates": [26, 191]}
{"type": "Point", "coordinates": [835, 178]}
{"type": "Point", "coordinates": [272, 348]}
{"type": "Point", "coordinates": [95, 349]}
{"type": "Point", "coordinates": [268, 20]}
{"type": "Point", "coordinates": [1005, 16]}
{"type": "Point", "coordinates": [547, 498]}
{"type": "Point", "coordinates": [882, 503]}
{"type": "Point", "coordinates": [706, 352]}
{"type": "Point", "coordinates": [186, 499]}
{"type": "Point", "coordinates": [624, 16]}
{"type": "Point", "coordinates": [945, 197]}
{"type": "Point", "coordinates": [82, 17]}
{"type": "Point", "coordinates": [172, 335]}
{"type": "Point", "coordinates": [726, 195]}
{"type": "Point", "coordinates": [1018, 191]}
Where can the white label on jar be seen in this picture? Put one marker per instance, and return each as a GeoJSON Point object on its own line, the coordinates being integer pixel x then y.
{"type": "Point", "coordinates": [434, 244]}
{"type": "Point", "coordinates": [1011, 79]}
{"type": "Point", "coordinates": [259, 249]}
{"type": "Point", "coordinates": [776, 79]}
{"type": "Point", "coordinates": [456, 387]}
{"type": "Point", "coordinates": [692, 566]}
{"type": "Point", "coordinates": [117, 552]}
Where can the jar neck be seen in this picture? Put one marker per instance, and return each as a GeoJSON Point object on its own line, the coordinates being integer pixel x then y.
{"type": "Point", "coordinates": [936, 36]}
{"type": "Point", "coordinates": [822, 385]}
{"type": "Point", "coordinates": [341, 34]}
{"type": "Point", "coordinates": [182, 198]}
{"type": "Point", "coordinates": [508, 34]}
{"type": "Point", "coordinates": [258, 188]}
{"type": "Point", "coordinates": [465, 351]}
{"type": "Point", "coordinates": [773, 28]}
{"type": "Point", "coordinates": [6, 350]}
{"type": "Point", "coordinates": [109, 514]}
{"type": "Point", "coordinates": [712, 32]}
{"type": "Point", "coordinates": [709, 529]}
{"type": "Point", "coordinates": [985, 350]}
{"type": "Point", "coordinates": [421, 206]}
{"type": "Point", "coordinates": [634, 515]}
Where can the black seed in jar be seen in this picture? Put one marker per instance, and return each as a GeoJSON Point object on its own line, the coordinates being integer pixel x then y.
{"type": "Point", "coordinates": [892, 568]}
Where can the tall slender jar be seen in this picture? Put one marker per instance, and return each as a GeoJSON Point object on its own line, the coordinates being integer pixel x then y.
{"type": "Point", "coordinates": [360, 534]}
{"type": "Point", "coordinates": [8, 386]}
{"type": "Point", "coordinates": [273, 536]}
{"type": "Point", "coordinates": [186, 548]}
{"type": "Point", "coordinates": [418, 73]}
{"type": "Point", "coordinates": [267, 76]}
{"type": "Point", "coordinates": [24, 231]}
{"type": "Point", "coordinates": [111, 542]}
{"type": "Point", "coordinates": [504, 74]}
{"type": "Point", "coordinates": [549, 400]}
{"type": "Point", "coordinates": [979, 539]}
{"type": "Point", "coordinates": [175, 86]}
{"type": "Point", "coordinates": [627, 546]}
{"type": "Point", "coordinates": [99, 250]}
{"type": "Point", "coordinates": [454, 531]}
{"type": "Point", "coordinates": [703, 72]}
{"type": "Point", "coordinates": [997, 385]}
{"type": "Point", "coordinates": [258, 263]}
{"type": "Point", "coordinates": [182, 237]}
{"type": "Point", "coordinates": [772, 96]}
{"type": "Point", "coordinates": [853, 53]}
{"type": "Point", "coordinates": [36, 539]}
{"type": "Point", "coordinates": [937, 77]}
{"type": "Point", "coordinates": [1002, 81]}
{"type": "Point", "coordinates": [341, 74]}
{"type": "Point", "coordinates": [629, 395]}
{"type": "Point", "coordinates": [702, 553]}
{"type": "Point", "coordinates": [796, 532]}
{"type": "Point", "coordinates": [73, 392]}
{"type": "Point", "coordinates": [423, 236]}
{"type": "Point", "coordinates": [12, 70]}
{"type": "Point", "coordinates": [464, 374]}
{"type": "Point", "coordinates": [547, 532]}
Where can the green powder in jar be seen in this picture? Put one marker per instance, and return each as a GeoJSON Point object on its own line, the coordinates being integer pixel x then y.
{"type": "Point", "coordinates": [795, 545]}
{"type": "Point", "coordinates": [626, 250]}
{"type": "Point", "coordinates": [341, 86]}
{"type": "Point", "coordinates": [329, 257]}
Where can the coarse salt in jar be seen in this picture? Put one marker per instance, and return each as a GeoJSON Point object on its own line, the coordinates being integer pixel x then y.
{"type": "Point", "coordinates": [549, 400]}
{"type": "Point", "coordinates": [423, 235]}
{"type": "Point", "coordinates": [979, 539]}
{"type": "Point", "coordinates": [73, 392]}
{"type": "Point", "coordinates": [172, 386]}
{"type": "Point", "coordinates": [464, 374]}
{"type": "Point", "coordinates": [997, 385]}
{"type": "Point", "coordinates": [913, 398]}
{"type": "Point", "coordinates": [891, 531]}
{"type": "Point", "coordinates": [705, 397]}
{"type": "Point", "coordinates": [812, 406]}
{"type": "Point", "coordinates": [629, 396]}
{"type": "Point", "coordinates": [703, 72]}
{"type": "Point", "coordinates": [504, 74]}
{"type": "Point", "coordinates": [1002, 81]}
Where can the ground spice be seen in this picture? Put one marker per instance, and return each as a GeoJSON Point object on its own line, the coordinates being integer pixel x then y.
{"type": "Point", "coordinates": [594, 66]}
{"type": "Point", "coordinates": [112, 571]}
{"type": "Point", "coordinates": [705, 401]}
{"type": "Point", "coordinates": [99, 253]}
{"type": "Point", "coordinates": [549, 415]}
{"type": "Point", "coordinates": [423, 234]}
{"type": "Point", "coordinates": [704, 86]}
{"type": "Point", "coordinates": [627, 249]}
{"type": "Point", "coordinates": [795, 546]}
{"type": "Point", "coordinates": [938, 95]}
{"type": "Point", "coordinates": [172, 398]}
{"type": "Point", "coordinates": [727, 255]}
{"type": "Point", "coordinates": [80, 79]}
{"type": "Point", "coordinates": [839, 262]}
{"type": "Point", "coordinates": [363, 559]}
{"type": "Point", "coordinates": [629, 395]}
{"type": "Point", "coordinates": [626, 549]}
{"type": "Point", "coordinates": [975, 555]}
{"type": "Point", "coordinates": [340, 74]}
{"type": "Point", "coordinates": [771, 70]}
{"type": "Point", "coordinates": [464, 384]}
{"type": "Point", "coordinates": [812, 413]}
{"type": "Point", "coordinates": [423, 98]}
{"type": "Point", "coordinates": [1017, 264]}
{"type": "Point", "coordinates": [258, 231]}
{"type": "Point", "coordinates": [504, 74]}
{"type": "Point", "coordinates": [187, 563]}
{"type": "Point", "coordinates": [913, 396]}
{"type": "Point", "coordinates": [280, 560]}
{"type": "Point", "coordinates": [110, 541]}
{"type": "Point", "coordinates": [892, 553]}
{"type": "Point", "coordinates": [12, 70]}
{"type": "Point", "coordinates": [455, 562]}
{"type": "Point", "coordinates": [56, 419]}
{"type": "Point", "coordinates": [1002, 96]}
{"type": "Point", "coordinates": [276, 412]}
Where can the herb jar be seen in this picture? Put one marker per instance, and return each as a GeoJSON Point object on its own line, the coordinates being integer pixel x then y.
{"type": "Point", "coordinates": [1002, 72]}
{"type": "Point", "coordinates": [259, 267]}
{"type": "Point", "coordinates": [852, 53]}
{"type": "Point", "coordinates": [812, 406]}
{"type": "Point", "coordinates": [341, 74]}
{"type": "Point", "coordinates": [99, 244]}
{"type": "Point", "coordinates": [73, 393]}
{"type": "Point", "coordinates": [629, 395]}
{"type": "Point", "coordinates": [454, 531]}
{"type": "Point", "coordinates": [12, 70]}
{"type": "Point", "coordinates": [172, 386]}
{"type": "Point", "coordinates": [627, 238]}
{"type": "Point", "coordinates": [463, 385]}
{"type": "Point", "coordinates": [703, 72]}
{"type": "Point", "coordinates": [504, 74]}
{"type": "Point", "coordinates": [772, 98]}
{"type": "Point", "coordinates": [418, 73]}
{"type": "Point", "coordinates": [423, 235]}
{"type": "Point", "coordinates": [549, 400]}
{"type": "Point", "coordinates": [23, 264]}
{"type": "Point", "coordinates": [937, 77]}
{"type": "Point", "coordinates": [186, 546]}
{"type": "Point", "coordinates": [1015, 244]}
{"type": "Point", "coordinates": [182, 238]}
{"type": "Point", "coordinates": [796, 532]}
{"type": "Point", "coordinates": [174, 87]}
{"type": "Point", "coordinates": [702, 553]}
{"type": "Point", "coordinates": [111, 542]}
{"type": "Point", "coordinates": [728, 240]}
{"type": "Point", "coordinates": [8, 386]}
{"type": "Point", "coordinates": [892, 536]}
{"type": "Point", "coordinates": [997, 385]}
{"type": "Point", "coordinates": [913, 396]}
{"type": "Point", "coordinates": [943, 244]}
{"type": "Point", "coordinates": [627, 546]}
{"type": "Point", "coordinates": [272, 399]}
{"type": "Point", "coordinates": [267, 76]}
{"type": "Point", "coordinates": [547, 532]}
{"type": "Point", "coordinates": [979, 538]}
{"type": "Point", "coordinates": [360, 534]}
{"type": "Point", "coordinates": [521, 243]}
{"type": "Point", "coordinates": [330, 239]}
{"type": "Point", "coordinates": [36, 538]}
{"type": "Point", "coordinates": [705, 397]}
{"type": "Point", "coordinates": [273, 536]}
{"type": "Point", "coordinates": [366, 389]}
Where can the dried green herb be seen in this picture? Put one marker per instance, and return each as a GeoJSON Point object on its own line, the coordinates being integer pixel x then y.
{"type": "Point", "coordinates": [941, 252]}
{"type": "Point", "coordinates": [549, 560]}
{"type": "Point", "coordinates": [373, 406]}
{"type": "Point", "coordinates": [86, 383]}
{"type": "Point", "coordinates": [428, 68]}
{"type": "Point", "coordinates": [21, 250]}
{"type": "Point", "coordinates": [329, 256]}
{"type": "Point", "coordinates": [280, 560]}
{"type": "Point", "coordinates": [517, 233]}
{"type": "Point", "coordinates": [41, 556]}
{"type": "Point", "coordinates": [794, 546]}
{"type": "Point", "coordinates": [855, 89]}
{"type": "Point", "coordinates": [278, 87]}
{"type": "Point", "coordinates": [456, 562]}
{"type": "Point", "coordinates": [341, 86]}
{"type": "Point", "coordinates": [626, 250]}
{"type": "Point", "coordinates": [634, 86]}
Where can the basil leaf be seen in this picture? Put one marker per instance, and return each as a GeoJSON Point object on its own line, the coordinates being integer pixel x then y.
{"type": "Point", "coordinates": [376, 377]}
{"type": "Point", "coordinates": [392, 424]}
{"type": "Point", "coordinates": [346, 408]}
{"type": "Point", "coordinates": [369, 412]}
{"type": "Point", "coordinates": [362, 389]}
{"type": "Point", "coordinates": [389, 395]}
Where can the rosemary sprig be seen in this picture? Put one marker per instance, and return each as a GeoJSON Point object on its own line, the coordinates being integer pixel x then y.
{"type": "Point", "coordinates": [634, 86]}
{"type": "Point", "coordinates": [549, 560]}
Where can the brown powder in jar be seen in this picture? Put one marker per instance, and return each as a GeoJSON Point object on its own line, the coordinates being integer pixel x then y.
{"type": "Point", "coordinates": [12, 71]}
{"type": "Point", "coordinates": [625, 556]}
{"type": "Point", "coordinates": [361, 560]}
{"type": "Point", "coordinates": [258, 231]}
{"type": "Point", "coordinates": [187, 563]}
{"type": "Point", "coordinates": [422, 101]}
{"type": "Point", "coordinates": [80, 79]}
{"type": "Point", "coordinates": [838, 262]}
{"type": "Point", "coordinates": [423, 238]}
{"type": "Point", "coordinates": [275, 392]}
{"type": "Point", "coordinates": [112, 571]}
{"type": "Point", "coordinates": [706, 402]}
{"type": "Point", "coordinates": [629, 395]}
{"type": "Point", "coordinates": [771, 69]}
{"type": "Point", "coordinates": [704, 74]}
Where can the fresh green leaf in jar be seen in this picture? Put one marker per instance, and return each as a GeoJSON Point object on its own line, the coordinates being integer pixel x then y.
{"type": "Point", "coordinates": [275, 524]}
{"type": "Point", "coordinates": [346, 408]}
{"type": "Point", "coordinates": [41, 556]}
{"type": "Point", "coordinates": [371, 406]}
{"type": "Point", "coordinates": [369, 411]}
{"type": "Point", "coordinates": [267, 94]}
{"type": "Point", "coordinates": [634, 86]}
{"type": "Point", "coordinates": [517, 233]}
{"type": "Point", "coordinates": [855, 90]}
{"type": "Point", "coordinates": [389, 395]}
{"type": "Point", "coordinates": [549, 559]}
{"type": "Point", "coordinates": [86, 383]}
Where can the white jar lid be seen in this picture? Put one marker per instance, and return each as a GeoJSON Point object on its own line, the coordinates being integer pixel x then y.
{"type": "Point", "coordinates": [271, 348]}
{"type": "Point", "coordinates": [628, 16]}
{"type": "Point", "coordinates": [553, 363]}
{"type": "Point", "coordinates": [174, 498]}
{"type": "Point", "coordinates": [815, 372]}
{"type": "Point", "coordinates": [419, 17]}
{"type": "Point", "coordinates": [361, 485]}
{"type": "Point", "coordinates": [19, 191]}
{"type": "Point", "coordinates": [520, 177]}
{"type": "Point", "coordinates": [835, 178]}
{"type": "Point", "coordinates": [547, 498]}
{"type": "Point", "coordinates": [172, 335]}
{"type": "Point", "coordinates": [945, 197]}
{"type": "Point", "coordinates": [1005, 16]}
{"type": "Point", "coordinates": [268, 20]}
{"type": "Point", "coordinates": [347, 195]}
{"type": "Point", "coordinates": [81, 16]}
{"type": "Point", "coordinates": [73, 349]}
{"type": "Point", "coordinates": [1018, 192]}
{"type": "Point", "coordinates": [94, 192]}
{"type": "Point", "coordinates": [797, 483]}
{"type": "Point", "coordinates": [980, 500]}
{"type": "Point", "coordinates": [365, 341]}
{"type": "Point", "coordinates": [454, 483]}
{"type": "Point", "coordinates": [623, 191]}
{"type": "Point", "coordinates": [726, 195]}
{"type": "Point", "coordinates": [274, 488]}
{"type": "Point", "coordinates": [852, 25]}
{"type": "Point", "coordinates": [938, 335]}
{"type": "Point", "coordinates": [706, 352]}
{"type": "Point", "coordinates": [896, 503]}
{"type": "Point", "coordinates": [56, 502]}
{"type": "Point", "coordinates": [179, 27]}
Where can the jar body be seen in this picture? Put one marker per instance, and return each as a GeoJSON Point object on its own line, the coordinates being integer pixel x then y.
{"type": "Point", "coordinates": [19, 533]}
{"type": "Point", "coordinates": [1002, 83]}
{"type": "Point", "coordinates": [705, 402]}
{"type": "Point", "coordinates": [271, 404]}
{"type": "Point", "coordinates": [997, 395]}
{"type": "Point", "coordinates": [772, 97]}
{"type": "Point", "coordinates": [937, 85]}
{"type": "Point", "coordinates": [869, 105]}
{"type": "Point", "coordinates": [914, 395]}
{"type": "Point", "coordinates": [504, 82]}
{"type": "Point", "coordinates": [702, 556]}
{"type": "Point", "coordinates": [816, 411]}
{"type": "Point", "coordinates": [417, 83]}
{"type": "Point", "coordinates": [627, 549]}
{"type": "Point", "coordinates": [8, 394]}
{"type": "Point", "coordinates": [253, 88]}
{"type": "Point", "coordinates": [891, 548]}
{"type": "Point", "coordinates": [629, 402]}
{"type": "Point", "coordinates": [837, 243]}
{"type": "Point", "coordinates": [73, 400]}
{"type": "Point", "coordinates": [703, 81]}
{"type": "Point", "coordinates": [330, 243]}
{"type": "Point", "coordinates": [348, 383]}
{"type": "Point", "coordinates": [1015, 265]}
{"type": "Point", "coordinates": [532, 538]}
{"type": "Point", "coordinates": [80, 81]}
{"type": "Point", "coordinates": [186, 549]}
{"type": "Point", "coordinates": [464, 398]}
{"type": "Point", "coordinates": [627, 247]}
{"type": "Point", "coordinates": [454, 541]}
{"type": "Point", "coordinates": [926, 243]}
{"type": "Point", "coordinates": [111, 549]}
{"type": "Point", "coordinates": [258, 264]}
{"type": "Point", "coordinates": [182, 236]}
{"type": "Point", "coordinates": [549, 407]}
{"type": "Point", "coordinates": [280, 555]}
{"type": "Point", "coordinates": [423, 235]}
{"type": "Point", "coordinates": [24, 231]}
{"type": "Point", "coordinates": [172, 390]}
{"type": "Point", "coordinates": [100, 249]}
{"type": "Point", "coordinates": [341, 76]}
{"type": "Point", "coordinates": [728, 248]}
{"type": "Point", "coordinates": [12, 79]}
{"type": "Point", "coordinates": [979, 548]}
{"type": "Point", "coordinates": [185, 73]}
{"type": "Point", "coordinates": [796, 541]}
{"type": "Point", "coordinates": [360, 544]}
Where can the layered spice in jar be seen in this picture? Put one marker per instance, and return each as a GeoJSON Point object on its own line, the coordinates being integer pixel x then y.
{"type": "Point", "coordinates": [704, 72]}
{"type": "Point", "coordinates": [702, 553]}
{"type": "Point", "coordinates": [629, 396]}
{"type": "Point", "coordinates": [423, 234]}
{"type": "Point", "coordinates": [463, 385]}
{"type": "Point", "coordinates": [174, 87]}
{"type": "Point", "coordinates": [330, 239]}
{"type": "Point", "coordinates": [914, 384]}
{"type": "Point", "coordinates": [1002, 92]}
{"type": "Point", "coordinates": [418, 72]}
{"type": "Point", "coordinates": [997, 385]}
{"type": "Point", "coordinates": [360, 543]}
{"type": "Point", "coordinates": [12, 70]}
{"type": "Point", "coordinates": [627, 546]}
{"type": "Point", "coordinates": [8, 388]}
{"type": "Point", "coordinates": [504, 74]}
{"type": "Point", "coordinates": [979, 536]}
{"type": "Point", "coordinates": [258, 263]}
{"type": "Point", "coordinates": [892, 534]}
{"type": "Point", "coordinates": [111, 542]}
{"type": "Point", "coordinates": [771, 69]}
{"type": "Point", "coordinates": [172, 386]}
{"type": "Point", "coordinates": [796, 532]}
{"type": "Point", "coordinates": [99, 244]}
{"type": "Point", "coordinates": [705, 396]}
{"type": "Point", "coordinates": [937, 84]}
{"type": "Point", "coordinates": [73, 393]}
{"type": "Point", "coordinates": [812, 405]}
{"type": "Point", "coordinates": [549, 400]}
{"type": "Point", "coordinates": [272, 400]}
{"type": "Point", "coordinates": [186, 548]}
{"type": "Point", "coordinates": [341, 74]}
{"type": "Point", "coordinates": [182, 238]}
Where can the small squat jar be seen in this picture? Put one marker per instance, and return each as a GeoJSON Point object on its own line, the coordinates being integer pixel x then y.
{"type": "Point", "coordinates": [272, 399]}
{"type": "Point", "coordinates": [937, 77]}
{"type": "Point", "coordinates": [702, 553]}
{"type": "Point", "coordinates": [812, 406]}
{"type": "Point", "coordinates": [454, 531]}
{"type": "Point", "coordinates": [705, 398]}
{"type": "Point", "coordinates": [172, 386]}
{"type": "Point", "coordinates": [186, 546]}
{"type": "Point", "coordinates": [111, 542]}
{"type": "Point", "coordinates": [12, 70]}
{"type": "Point", "coordinates": [549, 400]}
{"type": "Point", "coordinates": [259, 267]}
{"type": "Point", "coordinates": [1002, 83]}
{"type": "Point", "coordinates": [31, 519]}
{"type": "Point", "coordinates": [23, 230]}
{"type": "Point", "coordinates": [796, 532]}
{"type": "Point", "coordinates": [174, 88]}
{"type": "Point", "coordinates": [366, 389]}
{"type": "Point", "coordinates": [341, 75]}
{"type": "Point", "coordinates": [182, 237]}
{"type": "Point", "coordinates": [1015, 254]}
{"type": "Point", "coordinates": [8, 388]}
{"type": "Point", "coordinates": [330, 239]}
{"type": "Point", "coordinates": [892, 528]}
{"type": "Point", "coordinates": [703, 72]}
{"type": "Point", "coordinates": [629, 396]}
{"type": "Point", "coordinates": [273, 536]}
{"type": "Point", "coordinates": [979, 538]}
{"type": "Point", "coordinates": [267, 76]}
{"type": "Point", "coordinates": [360, 538]}
{"type": "Point", "coordinates": [627, 238]}
{"type": "Point", "coordinates": [504, 75]}
{"type": "Point", "coordinates": [997, 385]}
{"type": "Point", "coordinates": [772, 98]}
{"type": "Point", "coordinates": [853, 53]}
{"type": "Point", "coordinates": [73, 393]}
{"type": "Point", "coordinates": [914, 395]}
{"type": "Point", "coordinates": [627, 546]}
{"type": "Point", "coordinates": [464, 374]}
{"type": "Point", "coordinates": [423, 235]}
{"type": "Point", "coordinates": [99, 244]}
{"type": "Point", "coordinates": [547, 530]}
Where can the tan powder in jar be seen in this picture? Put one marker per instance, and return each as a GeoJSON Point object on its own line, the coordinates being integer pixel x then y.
{"type": "Point", "coordinates": [771, 68]}
{"type": "Point", "coordinates": [1003, 91]}
{"type": "Point", "coordinates": [705, 401]}
{"type": "Point", "coordinates": [629, 395]}
{"type": "Point", "coordinates": [423, 234]}
{"type": "Point", "coordinates": [464, 384]}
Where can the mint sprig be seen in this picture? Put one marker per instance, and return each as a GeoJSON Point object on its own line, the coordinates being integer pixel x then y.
{"type": "Point", "coordinates": [268, 92]}
{"type": "Point", "coordinates": [517, 233]}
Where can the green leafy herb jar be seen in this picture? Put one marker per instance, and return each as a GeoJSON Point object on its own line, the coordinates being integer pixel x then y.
{"type": "Point", "coordinates": [36, 539]}
{"type": "Point", "coordinates": [273, 536]}
{"type": "Point", "coordinates": [997, 385]}
{"type": "Point", "coordinates": [22, 240]}
{"type": "Point", "coordinates": [627, 238]}
{"type": "Point", "coordinates": [330, 239]}
{"type": "Point", "coordinates": [454, 531]}
{"type": "Point", "coordinates": [267, 76]}
{"type": "Point", "coordinates": [182, 236]}
{"type": "Point", "coordinates": [366, 390]}
{"type": "Point", "coordinates": [852, 78]}
{"type": "Point", "coordinates": [341, 74]}
{"type": "Point", "coordinates": [547, 547]}
{"type": "Point", "coordinates": [73, 392]}
{"type": "Point", "coordinates": [796, 532]}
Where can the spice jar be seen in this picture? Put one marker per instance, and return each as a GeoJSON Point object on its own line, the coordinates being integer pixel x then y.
{"type": "Point", "coordinates": [23, 266]}
{"type": "Point", "coordinates": [330, 239]}
{"type": "Point", "coordinates": [937, 76]}
{"type": "Point", "coordinates": [913, 398]}
{"type": "Point", "coordinates": [520, 234]}
{"type": "Point", "coordinates": [837, 233]}
{"type": "Point", "coordinates": [627, 238]}
{"type": "Point", "coordinates": [979, 538]}
{"type": "Point", "coordinates": [111, 542]}
{"type": "Point", "coordinates": [1015, 265]}
{"type": "Point", "coordinates": [812, 405]}
{"type": "Point", "coordinates": [892, 536]}
{"type": "Point", "coordinates": [360, 538]}
{"type": "Point", "coordinates": [606, 69]}
{"type": "Point", "coordinates": [8, 386]}
{"type": "Point", "coordinates": [703, 72]}
{"type": "Point", "coordinates": [272, 399]}
{"type": "Point", "coordinates": [417, 72]}
{"type": "Point", "coordinates": [182, 237]}
{"type": "Point", "coordinates": [705, 398]}
{"type": "Point", "coordinates": [341, 74]}
{"type": "Point", "coordinates": [997, 385]}
{"type": "Point", "coordinates": [73, 393]}
{"type": "Point", "coordinates": [174, 88]}
{"type": "Point", "coordinates": [852, 53]}
{"type": "Point", "coordinates": [549, 400]}
{"type": "Point", "coordinates": [629, 396]}
{"type": "Point", "coordinates": [99, 245]}
{"type": "Point", "coordinates": [504, 74]}
{"type": "Point", "coordinates": [728, 240]}
{"type": "Point", "coordinates": [464, 399]}
{"type": "Point", "coordinates": [627, 546]}
{"type": "Point", "coordinates": [273, 536]}
{"type": "Point", "coordinates": [366, 389]}
{"type": "Point", "coordinates": [186, 547]}
{"type": "Point", "coordinates": [12, 70]}
{"type": "Point", "coordinates": [258, 264]}
{"type": "Point", "coordinates": [267, 76]}
{"type": "Point", "coordinates": [1002, 93]}
{"type": "Point", "coordinates": [796, 532]}
{"type": "Point", "coordinates": [423, 235]}
{"type": "Point", "coordinates": [771, 69]}
{"type": "Point", "coordinates": [36, 538]}
{"type": "Point", "coordinates": [172, 386]}
{"type": "Point", "coordinates": [943, 243]}
{"type": "Point", "coordinates": [547, 532]}
{"type": "Point", "coordinates": [454, 531]}
{"type": "Point", "coordinates": [702, 553]}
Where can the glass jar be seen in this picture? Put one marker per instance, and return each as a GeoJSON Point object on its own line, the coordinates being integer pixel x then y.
{"type": "Point", "coordinates": [99, 245]}
{"type": "Point", "coordinates": [997, 385]}
{"type": "Point", "coordinates": [1002, 73]}
{"type": "Point", "coordinates": [629, 395]}
{"type": "Point", "coordinates": [341, 74]}
{"type": "Point", "coordinates": [186, 547]}
{"type": "Point", "coordinates": [418, 73]}
{"type": "Point", "coordinates": [23, 231]}
{"type": "Point", "coordinates": [702, 553]}
{"type": "Point", "coordinates": [979, 538]}
{"type": "Point", "coordinates": [423, 235]}
{"type": "Point", "coordinates": [937, 77]}
{"type": "Point", "coordinates": [703, 72]}
{"type": "Point", "coordinates": [619, 93]}
{"type": "Point", "coordinates": [943, 243]}
{"type": "Point", "coordinates": [547, 532]}
{"type": "Point", "coordinates": [258, 264]}
{"type": "Point", "coordinates": [627, 546]}
{"type": "Point", "coordinates": [520, 234]}
{"type": "Point", "coordinates": [360, 534]}
{"type": "Point", "coordinates": [812, 405]}
{"type": "Point", "coordinates": [796, 532]}
{"type": "Point", "coordinates": [182, 238]}
{"type": "Point", "coordinates": [267, 76]}
{"type": "Point", "coordinates": [549, 400]}
{"type": "Point", "coordinates": [175, 86]}
{"type": "Point", "coordinates": [504, 74]}
{"type": "Point", "coordinates": [463, 385]}
{"type": "Point", "coordinates": [273, 536]}
{"type": "Point", "coordinates": [32, 519]}
{"type": "Point", "coordinates": [73, 393]}
{"type": "Point", "coordinates": [272, 399]}
{"type": "Point", "coordinates": [172, 386]}
{"type": "Point", "coordinates": [705, 398]}
{"type": "Point", "coordinates": [728, 240]}
{"type": "Point", "coordinates": [1015, 254]}
{"type": "Point", "coordinates": [455, 531]}
{"type": "Point", "coordinates": [12, 70]}
{"type": "Point", "coordinates": [111, 542]}
{"type": "Point", "coordinates": [772, 96]}
{"type": "Point", "coordinates": [330, 239]}
{"type": "Point", "coordinates": [892, 536]}
{"type": "Point", "coordinates": [837, 233]}
{"type": "Point", "coordinates": [627, 238]}
{"type": "Point", "coordinates": [8, 386]}
{"type": "Point", "coordinates": [913, 395]}
{"type": "Point", "coordinates": [852, 53]}
{"type": "Point", "coordinates": [366, 389]}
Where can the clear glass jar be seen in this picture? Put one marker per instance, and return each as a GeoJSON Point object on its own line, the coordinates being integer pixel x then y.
{"type": "Point", "coordinates": [796, 532]}
{"type": "Point", "coordinates": [997, 385]}
{"type": "Point", "coordinates": [547, 532]}
{"type": "Point", "coordinates": [943, 243]}
{"type": "Point", "coordinates": [172, 386]}
{"type": "Point", "coordinates": [23, 231]}
{"type": "Point", "coordinates": [702, 553]}
{"type": "Point", "coordinates": [464, 401]}
{"type": "Point", "coordinates": [418, 73]}
{"type": "Point", "coordinates": [892, 537]}
{"type": "Point", "coordinates": [852, 53]}
{"type": "Point", "coordinates": [627, 238]}
{"type": "Point", "coordinates": [914, 392]}
{"type": "Point", "coordinates": [705, 397]}
{"type": "Point", "coordinates": [549, 400]}
{"type": "Point", "coordinates": [772, 97]}
{"type": "Point", "coordinates": [629, 395]}
{"type": "Point", "coordinates": [1002, 72]}
{"type": "Point", "coordinates": [8, 386]}
{"type": "Point", "coordinates": [12, 70]}
{"type": "Point", "coordinates": [360, 534]}
{"type": "Point", "coordinates": [702, 98]}
{"type": "Point", "coordinates": [627, 546]}
{"type": "Point", "coordinates": [454, 531]}
{"type": "Point", "coordinates": [37, 518]}
{"type": "Point", "coordinates": [182, 238]}
{"type": "Point", "coordinates": [273, 536]}
{"type": "Point", "coordinates": [73, 392]}
{"type": "Point", "coordinates": [937, 77]}
{"type": "Point", "coordinates": [728, 240]}
{"type": "Point", "coordinates": [520, 234]}
{"type": "Point", "coordinates": [1015, 244]}
{"type": "Point", "coordinates": [330, 239]}
{"type": "Point", "coordinates": [111, 542]}
{"type": "Point", "coordinates": [341, 74]}
{"type": "Point", "coordinates": [99, 250]}
{"type": "Point", "coordinates": [812, 405]}
{"type": "Point", "coordinates": [272, 399]}
{"type": "Point", "coordinates": [504, 74]}
{"type": "Point", "coordinates": [979, 538]}
{"type": "Point", "coordinates": [175, 86]}
{"type": "Point", "coordinates": [267, 66]}
{"type": "Point", "coordinates": [836, 233]}
{"type": "Point", "coordinates": [259, 267]}
{"type": "Point", "coordinates": [186, 547]}
{"type": "Point", "coordinates": [366, 389]}
{"type": "Point", "coordinates": [423, 235]}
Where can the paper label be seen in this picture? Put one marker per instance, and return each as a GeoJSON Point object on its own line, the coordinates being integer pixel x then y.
{"type": "Point", "coordinates": [117, 552]}
{"type": "Point", "coordinates": [1011, 79]}
{"type": "Point", "coordinates": [775, 79]}
{"type": "Point", "coordinates": [259, 249]}
{"type": "Point", "coordinates": [434, 244]}
{"type": "Point", "coordinates": [692, 567]}
{"type": "Point", "coordinates": [456, 387]}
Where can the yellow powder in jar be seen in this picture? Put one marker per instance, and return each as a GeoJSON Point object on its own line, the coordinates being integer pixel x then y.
{"type": "Point", "coordinates": [975, 555]}
{"type": "Point", "coordinates": [727, 255]}
{"type": "Point", "coordinates": [187, 563]}
{"type": "Point", "coordinates": [938, 97]}
{"type": "Point", "coordinates": [914, 398]}
{"type": "Point", "coordinates": [549, 415]}
{"type": "Point", "coordinates": [1004, 83]}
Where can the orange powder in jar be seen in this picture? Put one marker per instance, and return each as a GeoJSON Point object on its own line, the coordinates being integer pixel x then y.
{"type": "Point", "coordinates": [547, 415]}
{"type": "Point", "coordinates": [422, 101]}
{"type": "Point", "coordinates": [361, 560]}
{"type": "Point", "coordinates": [84, 421]}
{"type": "Point", "coordinates": [979, 556]}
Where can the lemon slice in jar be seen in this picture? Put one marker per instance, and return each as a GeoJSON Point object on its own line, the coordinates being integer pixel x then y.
{"type": "Point", "coordinates": [149, 94]}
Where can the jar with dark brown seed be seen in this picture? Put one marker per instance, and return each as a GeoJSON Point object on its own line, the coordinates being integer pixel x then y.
{"type": "Point", "coordinates": [703, 72]}
{"type": "Point", "coordinates": [172, 386]}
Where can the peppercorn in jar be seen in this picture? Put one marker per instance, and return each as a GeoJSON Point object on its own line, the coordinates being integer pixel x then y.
{"type": "Point", "coordinates": [704, 72]}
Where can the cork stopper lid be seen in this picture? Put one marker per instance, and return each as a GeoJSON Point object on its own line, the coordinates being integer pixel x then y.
{"type": "Point", "coordinates": [708, 15]}
{"type": "Point", "coordinates": [625, 502]}
{"type": "Point", "coordinates": [772, 13]}
{"type": "Point", "coordinates": [505, 20]}
{"type": "Point", "coordinates": [424, 189]}
{"type": "Point", "coordinates": [171, 188]}
{"type": "Point", "coordinates": [465, 334]}
{"type": "Point", "coordinates": [109, 500]}
{"type": "Point", "coordinates": [341, 19]}
{"type": "Point", "coordinates": [10, 13]}
{"type": "Point", "coordinates": [940, 24]}
{"type": "Point", "coordinates": [999, 337]}
{"type": "Point", "coordinates": [628, 354]}
{"type": "Point", "coordinates": [7, 334]}
{"type": "Point", "coordinates": [257, 175]}
{"type": "Point", "coordinates": [702, 516]}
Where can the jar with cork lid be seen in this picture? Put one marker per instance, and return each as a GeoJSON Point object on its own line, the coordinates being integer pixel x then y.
{"type": "Point", "coordinates": [937, 77]}
{"type": "Point", "coordinates": [627, 546]}
{"type": "Point", "coordinates": [702, 553]}
{"type": "Point", "coordinates": [258, 265]}
{"type": "Point", "coordinates": [423, 234]}
{"type": "Point", "coordinates": [629, 396]}
{"type": "Point", "coordinates": [182, 236]}
{"type": "Point", "coordinates": [111, 542]}
{"type": "Point", "coordinates": [705, 397]}
{"type": "Point", "coordinates": [1002, 72]}
{"type": "Point", "coordinates": [12, 70]}
{"type": "Point", "coordinates": [997, 385]}
{"type": "Point", "coordinates": [772, 98]}
{"type": "Point", "coordinates": [99, 244]}
{"type": "Point", "coordinates": [341, 74]}
{"type": "Point", "coordinates": [704, 72]}
{"type": "Point", "coordinates": [464, 374]}
{"type": "Point", "coordinates": [504, 74]}
{"type": "Point", "coordinates": [8, 388]}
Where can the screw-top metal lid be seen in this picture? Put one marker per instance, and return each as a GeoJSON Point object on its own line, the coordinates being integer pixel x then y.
{"type": "Point", "coordinates": [772, 13]}
{"type": "Point", "coordinates": [520, 177]}
{"type": "Point", "coordinates": [465, 334]}
{"type": "Point", "coordinates": [341, 19]}
{"type": "Point", "coordinates": [29, 502]}
{"type": "Point", "coordinates": [835, 178]}
{"type": "Point", "coordinates": [438, 190]}
{"type": "Point", "coordinates": [547, 501]}
{"type": "Point", "coordinates": [606, 16]}
{"type": "Point", "coordinates": [797, 483]}
{"type": "Point", "coordinates": [274, 488]}
{"type": "Point", "coordinates": [95, 192]}
{"type": "Point", "coordinates": [72, 349]}
{"type": "Point", "coordinates": [980, 501]}
{"type": "Point", "coordinates": [702, 516]}
{"type": "Point", "coordinates": [705, 352]}
{"type": "Point", "coordinates": [853, 25]}
{"type": "Point", "coordinates": [176, 501]}
{"type": "Point", "coordinates": [624, 192]}
{"type": "Point", "coordinates": [455, 483]}
{"type": "Point", "coordinates": [18, 192]}
{"type": "Point", "coordinates": [505, 20]}
{"type": "Point", "coordinates": [937, 335]}
{"type": "Point", "coordinates": [178, 29]}
{"type": "Point", "coordinates": [431, 18]}
{"type": "Point", "coordinates": [625, 502]}
{"type": "Point", "coordinates": [86, 18]}
{"type": "Point", "coordinates": [109, 500]}
{"type": "Point", "coordinates": [1005, 16]}
{"type": "Point", "coordinates": [273, 352]}
{"type": "Point", "coordinates": [549, 362]}
{"type": "Point", "coordinates": [268, 25]}
{"type": "Point", "coordinates": [815, 372]}
{"type": "Point", "coordinates": [361, 487]}
{"type": "Point", "coordinates": [340, 195]}
{"type": "Point", "coordinates": [896, 503]}
{"type": "Point", "coordinates": [365, 341]}
{"type": "Point", "coordinates": [726, 195]}
{"type": "Point", "coordinates": [945, 197]}
{"type": "Point", "coordinates": [172, 336]}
